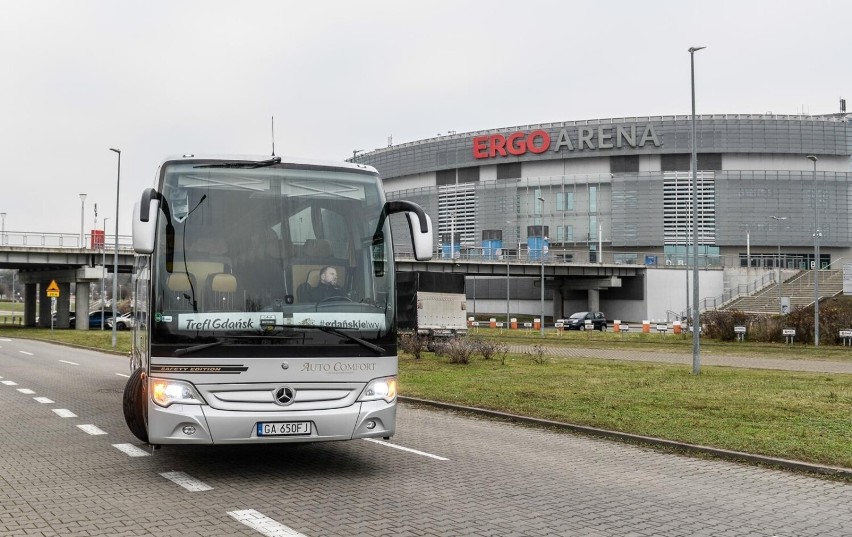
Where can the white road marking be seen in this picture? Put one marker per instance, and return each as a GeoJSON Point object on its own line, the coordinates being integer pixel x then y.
{"type": "Point", "coordinates": [131, 450]}
{"type": "Point", "coordinates": [43, 400]}
{"type": "Point", "coordinates": [91, 429]}
{"type": "Point", "coordinates": [67, 362]}
{"type": "Point", "coordinates": [388, 444]}
{"type": "Point", "coordinates": [64, 413]}
{"type": "Point", "coordinates": [263, 524]}
{"type": "Point", "coordinates": [189, 483]}
{"type": "Point", "coordinates": [27, 353]}
{"type": "Point", "coordinates": [26, 391]}
{"type": "Point", "coordinates": [123, 375]}
{"type": "Point", "coordinates": [10, 383]}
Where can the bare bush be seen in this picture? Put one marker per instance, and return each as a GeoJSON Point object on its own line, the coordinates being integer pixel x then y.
{"type": "Point", "coordinates": [413, 344]}
{"type": "Point", "coordinates": [537, 354]}
{"type": "Point", "coordinates": [459, 350]}
{"type": "Point", "coordinates": [489, 349]}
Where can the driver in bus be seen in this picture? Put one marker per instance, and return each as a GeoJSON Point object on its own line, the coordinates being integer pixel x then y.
{"type": "Point", "coordinates": [327, 286]}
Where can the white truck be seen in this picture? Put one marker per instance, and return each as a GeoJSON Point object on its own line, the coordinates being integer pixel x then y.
{"type": "Point", "coordinates": [431, 304]}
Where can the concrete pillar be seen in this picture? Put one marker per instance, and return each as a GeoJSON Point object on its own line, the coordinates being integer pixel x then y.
{"type": "Point", "coordinates": [558, 304]}
{"type": "Point", "coordinates": [82, 309]}
{"type": "Point", "coordinates": [30, 294]}
{"type": "Point", "coordinates": [594, 300]}
{"type": "Point", "coordinates": [63, 305]}
{"type": "Point", "coordinates": [43, 305]}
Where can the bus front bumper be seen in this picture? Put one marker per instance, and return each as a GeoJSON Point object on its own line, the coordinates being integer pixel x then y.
{"type": "Point", "coordinates": [201, 424]}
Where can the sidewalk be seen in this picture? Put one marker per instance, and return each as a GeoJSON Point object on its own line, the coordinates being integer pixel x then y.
{"type": "Point", "coordinates": [685, 358]}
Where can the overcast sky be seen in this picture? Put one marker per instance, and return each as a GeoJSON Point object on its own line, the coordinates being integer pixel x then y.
{"type": "Point", "coordinates": [156, 78]}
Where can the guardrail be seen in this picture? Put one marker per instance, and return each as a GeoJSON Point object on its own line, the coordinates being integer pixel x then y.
{"type": "Point", "coordinates": [560, 256]}
{"type": "Point", "coordinates": [64, 240]}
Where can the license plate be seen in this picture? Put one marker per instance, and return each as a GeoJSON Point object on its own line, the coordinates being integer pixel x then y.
{"type": "Point", "coordinates": [284, 428]}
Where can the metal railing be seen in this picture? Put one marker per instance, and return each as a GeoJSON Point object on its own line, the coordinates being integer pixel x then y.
{"type": "Point", "coordinates": [24, 239]}
{"type": "Point", "coordinates": [561, 256]}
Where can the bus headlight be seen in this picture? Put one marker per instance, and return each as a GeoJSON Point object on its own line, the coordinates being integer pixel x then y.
{"type": "Point", "coordinates": [384, 388]}
{"type": "Point", "coordinates": [168, 392]}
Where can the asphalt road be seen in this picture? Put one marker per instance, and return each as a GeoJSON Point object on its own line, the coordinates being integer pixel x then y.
{"type": "Point", "coordinates": [69, 466]}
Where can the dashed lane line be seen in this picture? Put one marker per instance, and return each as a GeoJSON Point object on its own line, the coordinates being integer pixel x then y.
{"type": "Point", "coordinates": [64, 413]}
{"type": "Point", "coordinates": [409, 450]}
{"type": "Point", "coordinates": [91, 429]}
{"type": "Point", "coordinates": [26, 391]}
{"type": "Point", "coordinates": [27, 353]}
{"type": "Point", "coordinates": [67, 362]}
{"type": "Point", "coordinates": [263, 524]}
{"type": "Point", "coordinates": [43, 400]}
{"type": "Point", "coordinates": [10, 383]}
{"type": "Point", "coordinates": [122, 375]}
{"type": "Point", "coordinates": [131, 450]}
{"type": "Point", "coordinates": [189, 483]}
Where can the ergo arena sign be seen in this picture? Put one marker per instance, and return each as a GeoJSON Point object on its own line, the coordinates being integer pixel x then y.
{"type": "Point", "coordinates": [539, 141]}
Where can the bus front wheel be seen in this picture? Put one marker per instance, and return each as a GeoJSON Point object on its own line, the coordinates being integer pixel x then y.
{"type": "Point", "coordinates": [136, 404]}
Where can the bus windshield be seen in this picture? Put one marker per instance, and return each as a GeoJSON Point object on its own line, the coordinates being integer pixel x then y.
{"type": "Point", "coordinates": [265, 261]}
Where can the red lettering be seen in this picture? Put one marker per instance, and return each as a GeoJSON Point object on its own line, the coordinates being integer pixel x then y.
{"type": "Point", "coordinates": [542, 146]}
{"type": "Point", "coordinates": [479, 147]}
{"type": "Point", "coordinates": [517, 144]}
{"type": "Point", "coordinates": [498, 145]}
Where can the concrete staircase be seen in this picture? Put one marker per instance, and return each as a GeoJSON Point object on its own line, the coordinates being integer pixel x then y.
{"type": "Point", "coordinates": [800, 289]}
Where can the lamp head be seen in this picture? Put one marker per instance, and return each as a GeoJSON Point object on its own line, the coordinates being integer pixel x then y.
{"type": "Point", "coordinates": [695, 49]}
{"type": "Point", "coordinates": [812, 158]}
{"type": "Point", "coordinates": [115, 150]}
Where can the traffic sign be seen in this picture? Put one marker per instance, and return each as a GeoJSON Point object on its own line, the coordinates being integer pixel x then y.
{"type": "Point", "coordinates": [53, 290]}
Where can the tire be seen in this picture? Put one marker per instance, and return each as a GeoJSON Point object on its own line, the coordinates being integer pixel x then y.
{"type": "Point", "coordinates": [582, 328]}
{"type": "Point", "coordinates": [121, 326]}
{"type": "Point", "coordinates": [136, 404]}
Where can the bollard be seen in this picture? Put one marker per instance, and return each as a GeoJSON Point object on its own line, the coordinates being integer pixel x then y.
{"type": "Point", "coordinates": [492, 322]}
{"type": "Point", "coordinates": [513, 323]}
{"type": "Point", "coordinates": [646, 327]}
{"type": "Point", "coordinates": [536, 324]}
{"type": "Point", "coordinates": [676, 327]}
{"type": "Point", "coordinates": [616, 326]}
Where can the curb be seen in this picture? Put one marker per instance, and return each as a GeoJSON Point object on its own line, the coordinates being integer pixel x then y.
{"type": "Point", "coordinates": [797, 466]}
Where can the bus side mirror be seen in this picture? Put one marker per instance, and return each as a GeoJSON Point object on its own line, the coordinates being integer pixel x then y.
{"type": "Point", "coordinates": [422, 240]}
{"type": "Point", "coordinates": [145, 226]}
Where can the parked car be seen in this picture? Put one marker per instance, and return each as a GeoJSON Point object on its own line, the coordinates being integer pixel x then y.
{"type": "Point", "coordinates": [95, 320]}
{"type": "Point", "coordinates": [126, 321]}
{"type": "Point", "coordinates": [577, 321]}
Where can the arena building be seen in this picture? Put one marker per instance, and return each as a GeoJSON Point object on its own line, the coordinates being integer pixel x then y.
{"type": "Point", "coordinates": [620, 191]}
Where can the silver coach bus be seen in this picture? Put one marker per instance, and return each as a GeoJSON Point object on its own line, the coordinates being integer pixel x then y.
{"type": "Point", "coordinates": [266, 289]}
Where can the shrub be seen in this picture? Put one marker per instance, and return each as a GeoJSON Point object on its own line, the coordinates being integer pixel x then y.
{"type": "Point", "coordinates": [537, 355]}
{"type": "Point", "coordinates": [413, 344]}
{"type": "Point", "coordinates": [459, 350]}
{"type": "Point", "coordinates": [489, 348]}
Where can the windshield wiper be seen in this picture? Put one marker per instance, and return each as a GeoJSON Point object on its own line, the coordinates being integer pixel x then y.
{"type": "Point", "coordinates": [194, 348]}
{"type": "Point", "coordinates": [338, 332]}
{"type": "Point", "coordinates": [244, 164]}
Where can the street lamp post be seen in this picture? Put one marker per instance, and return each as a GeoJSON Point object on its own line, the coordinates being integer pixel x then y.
{"type": "Point", "coordinates": [3, 229]}
{"type": "Point", "coordinates": [778, 220]}
{"type": "Point", "coordinates": [541, 255]}
{"type": "Point", "coordinates": [696, 321]}
{"type": "Point", "coordinates": [82, 215]}
{"type": "Point", "coordinates": [115, 246]}
{"type": "Point", "coordinates": [817, 235]}
{"type": "Point", "coordinates": [506, 257]}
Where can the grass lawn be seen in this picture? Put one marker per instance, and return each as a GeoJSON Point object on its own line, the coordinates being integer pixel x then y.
{"type": "Point", "coordinates": [799, 416]}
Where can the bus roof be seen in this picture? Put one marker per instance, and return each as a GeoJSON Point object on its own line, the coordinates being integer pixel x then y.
{"type": "Point", "coordinates": [295, 161]}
